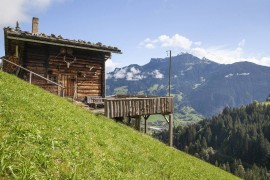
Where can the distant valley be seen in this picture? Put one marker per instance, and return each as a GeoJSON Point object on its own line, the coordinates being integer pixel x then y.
{"type": "Point", "coordinates": [201, 87]}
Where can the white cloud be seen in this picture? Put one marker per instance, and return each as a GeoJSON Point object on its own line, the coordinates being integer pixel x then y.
{"type": "Point", "coordinates": [199, 52]}
{"type": "Point", "coordinates": [148, 43]}
{"type": "Point", "coordinates": [229, 75]}
{"type": "Point", "coordinates": [237, 74]}
{"type": "Point", "coordinates": [134, 74]}
{"type": "Point", "coordinates": [156, 74]}
{"type": "Point", "coordinates": [110, 65]}
{"type": "Point", "coordinates": [133, 77]}
{"type": "Point", "coordinates": [134, 70]}
{"type": "Point", "coordinates": [108, 76]}
{"type": "Point", "coordinates": [129, 76]}
{"type": "Point", "coordinates": [21, 10]}
{"type": "Point", "coordinates": [263, 60]}
{"type": "Point", "coordinates": [242, 74]}
{"type": "Point", "coordinates": [221, 54]}
{"type": "Point", "coordinates": [175, 41]}
{"type": "Point", "coordinates": [198, 43]}
{"type": "Point", "coordinates": [120, 73]}
{"type": "Point", "coordinates": [224, 55]}
{"type": "Point", "coordinates": [149, 46]}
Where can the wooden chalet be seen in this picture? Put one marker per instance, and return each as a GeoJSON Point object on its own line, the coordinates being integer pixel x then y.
{"type": "Point", "coordinates": [76, 65]}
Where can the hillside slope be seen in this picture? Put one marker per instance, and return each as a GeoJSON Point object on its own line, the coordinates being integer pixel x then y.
{"type": "Point", "coordinates": [43, 136]}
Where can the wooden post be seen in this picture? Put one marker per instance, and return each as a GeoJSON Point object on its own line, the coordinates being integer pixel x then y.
{"type": "Point", "coordinates": [75, 91]}
{"type": "Point", "coordinates": [59, 89]}
{"type": "Point", "coordinates": [145, 122]}
{"type": "Point", "coordinates": [138, 123]}
{"type": "Point", "coordinates": [170, 129]}
{"type": "Point", "coordinates": [17, 51]}
{"type": "Point", "coordinates": [145, 125]}
{"type": "Point", "coordinates": [30, 78]}
{"type": "Point", "coordinates": [105, 108]}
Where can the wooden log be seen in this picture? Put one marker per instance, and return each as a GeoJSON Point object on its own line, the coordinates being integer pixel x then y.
{"type": "Point", "coordinates": [88, 91]}
{"type": "Point", "coordinates": [86, 84]}
{"type": "Point", "coordinates": [89, 88]}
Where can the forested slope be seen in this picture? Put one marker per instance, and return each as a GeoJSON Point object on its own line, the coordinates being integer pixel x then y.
{"type": "Point", "coordinates": [237, 140]}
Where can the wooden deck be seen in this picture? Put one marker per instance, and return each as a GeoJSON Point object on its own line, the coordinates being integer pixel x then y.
{"type": "Point", "coordinates": [120, 107]}
{"type": "Point", "coordinates": [136, 106]}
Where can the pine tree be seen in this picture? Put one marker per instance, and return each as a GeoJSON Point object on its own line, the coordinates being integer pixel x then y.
{"type": "Point", "coordinates": [240, 171]}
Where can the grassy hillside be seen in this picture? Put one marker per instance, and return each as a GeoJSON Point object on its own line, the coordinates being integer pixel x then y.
{"type": "Point", "coordinates": [43, 136]}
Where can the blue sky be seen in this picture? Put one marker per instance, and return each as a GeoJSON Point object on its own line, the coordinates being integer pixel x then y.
{"type": "Point", "coordinates": [224, 31]}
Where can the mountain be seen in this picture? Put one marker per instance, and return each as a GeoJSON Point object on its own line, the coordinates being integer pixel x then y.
{"type": "Point", "coordinates": [237, 140]}
{"type": "Point", "coordinates": [43, 136]}
{"type": "Point", "coordinates": [201, 85]}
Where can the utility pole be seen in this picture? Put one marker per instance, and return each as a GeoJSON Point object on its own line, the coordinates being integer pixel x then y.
{"type": "Point", "coordinates": [170, 72]}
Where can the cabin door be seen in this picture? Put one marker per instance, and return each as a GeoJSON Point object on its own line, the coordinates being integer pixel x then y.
{"type": "Point", "coordinates": [69, 81]}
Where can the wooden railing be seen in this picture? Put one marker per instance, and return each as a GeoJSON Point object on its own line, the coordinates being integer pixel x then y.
{"type": "Point", "coordinates": [38, 75]}
{"type": "Point", "coordinates": [124, 107]}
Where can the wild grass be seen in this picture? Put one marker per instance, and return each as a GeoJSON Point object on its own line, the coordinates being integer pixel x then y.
{"type": "Point", "coordinates": [43, 136]}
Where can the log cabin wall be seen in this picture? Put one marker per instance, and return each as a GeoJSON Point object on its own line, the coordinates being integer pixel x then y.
{"type": "Point", "coordinates": [84, 77]}
{"type": "Point", "coordinates": [34, 57]}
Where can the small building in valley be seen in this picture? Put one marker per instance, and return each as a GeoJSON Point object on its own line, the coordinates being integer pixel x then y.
{"type": "Point", "coordinates": [77, 65]}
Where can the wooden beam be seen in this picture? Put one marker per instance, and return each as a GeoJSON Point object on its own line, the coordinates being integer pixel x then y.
{"type": "Point", "coordinates": [167, 120]}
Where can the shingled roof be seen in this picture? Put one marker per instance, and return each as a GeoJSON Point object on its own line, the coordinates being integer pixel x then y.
{"type": "Point", "coordinates": [17, 34]}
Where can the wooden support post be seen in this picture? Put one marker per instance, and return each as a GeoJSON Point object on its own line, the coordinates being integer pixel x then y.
{"type": "Point", "coordinates": [145, 126]}
{"type": "Point", "coordinates": [138, 123]}
{"type": "Point", "coordinates": [63, 92]}
{"type": "Point", "coordinates": [30, 78]}
{"type": "Point", "coordinates": [17, 51]}
{"type": "Point", "coordinates": [129, 120]}
{"type": "Point", "coordinates": [145, 122]}
{"type": "Point", "coordinates": [59, 89]}
{"type": "Point", "coordinates": [18, 71]}
{"type": "Point", "coordinates": [170, 129]}
{"type": "Point", "coordinates": [75, 91]}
